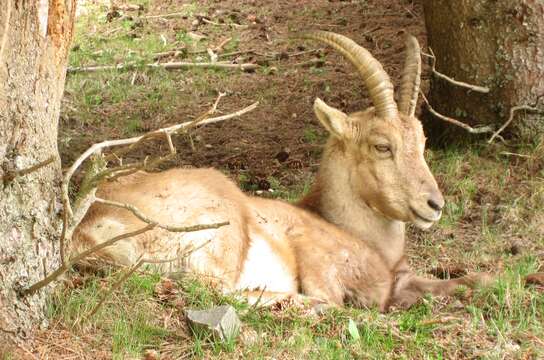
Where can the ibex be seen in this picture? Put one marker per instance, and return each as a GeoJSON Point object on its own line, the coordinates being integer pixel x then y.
{"type": "Point", "coordinates": [373, 176]}
{"type": "Point", "coordinates": [345, 242]}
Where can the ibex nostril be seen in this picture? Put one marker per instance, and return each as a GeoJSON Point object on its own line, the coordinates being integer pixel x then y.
{"type": "Point", "coordinates": [434, 205]}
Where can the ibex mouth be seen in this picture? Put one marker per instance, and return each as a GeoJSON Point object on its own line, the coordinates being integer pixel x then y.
{"type": "Point", "coordinates": [422, 221]}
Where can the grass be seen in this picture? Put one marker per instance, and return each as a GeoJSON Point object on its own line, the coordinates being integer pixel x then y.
{"type": "Point", "coordinates": [502, 321]}
{"type": "Point", "coordinates": [492, 200]}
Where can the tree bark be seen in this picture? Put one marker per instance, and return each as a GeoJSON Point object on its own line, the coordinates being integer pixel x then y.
{"type": "Point", "coordinates": [493, 43]}
{"type": "Point", "coordinates": [34, 41]}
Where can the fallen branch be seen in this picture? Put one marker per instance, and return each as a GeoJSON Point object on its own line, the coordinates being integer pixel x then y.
{"type": "Point", "coordinates": [508, 153]}
{"type": "Point", "coordinates": [165, 54]}
{"type": "Point", "coordinates": [234, 25]}
{"type": "Point", "coordinates": [311, 62]}
{"type": "Point", "coordinates": [127, 7]}
{"type": "Point", "coordinates": [234, 53]}
{"type": "Point", "coordinates": [11, 175]}
{"type": "Point", "coordinates": [111, 143]}
{"type": "Point", "coordinates": [139, 262]}
{"type": "Point", "coordinates": [470, 129]}
{"type": "Point", "coordinates": [511, 117]}
{"type": "Point", "coordinates": [151, 224]}
{"type": "Point", "coordinates": [136, 212]}
{"type": "Point", "coordinates": [167, 66]}
{"type": "Point", "coordinates": [115, 286]}
{"type": "Point", "coordinates": [71, 220]}
{"type": "Point", "coordinates": [164, 16]}
{"type": "Point", "coordinates": [68, 264]}
{"type": "Point", "coordinates": [481, 89]}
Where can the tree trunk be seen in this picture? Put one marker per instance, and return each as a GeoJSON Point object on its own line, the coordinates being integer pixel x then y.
{"type": "Point", "coordinates": [494, 43]}
{"type": "Point", "coordinates": [34, 42]}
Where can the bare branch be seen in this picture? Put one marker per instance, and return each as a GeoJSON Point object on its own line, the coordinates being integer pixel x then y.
{"type": "Point", "coordinates": [481, 89]}
{"type": "Point", "coordinates": [234, 25]}
{"type": "Point", "coordinates": [183, 256]}
{"type": "Point", "coordinates": [111, 143]}
{"type": "Point", "coordinates": [234, 53]}
{"type": "Point", "coordinates": [10, 175]}
{"type": "Point", "coordinates": [164, 16]}
{"type": "Point", "coordinates": [115, 286]}
{"type": "Point", "coordinates": [470, 129]}
{"type": "Point", "coordinates": [511, 117]}
{"type": "Point", "coordinates": [168, 66]}
{"type": "Point", "coordinates": [134, 210]}
{"type": "Point", "coordinates": [167, 133]}
{"type": "Point", "coordinates": [68, 264]}
{"type": "Point", "coordinates": [139, 262]}
{"type": "Point", "coordinates": [165, 54]}
{"type": "Point", "coordinates": [311, 62]}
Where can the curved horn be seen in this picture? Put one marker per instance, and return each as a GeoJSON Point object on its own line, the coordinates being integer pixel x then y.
{"type": "Point", "coordinates": [374, 76]}
{"type": "Point", "coordinates": [411, 77]}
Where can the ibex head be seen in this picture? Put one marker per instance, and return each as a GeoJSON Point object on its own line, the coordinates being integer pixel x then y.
{"type": "Point", "coordinates": [384, 145]}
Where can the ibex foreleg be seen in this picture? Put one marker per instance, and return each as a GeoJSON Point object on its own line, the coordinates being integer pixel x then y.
{"type": "Point", "coordinates": [410, 288]}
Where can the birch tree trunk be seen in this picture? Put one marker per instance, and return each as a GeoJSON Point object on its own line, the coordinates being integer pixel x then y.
{"type": "Point", "coordinates": [493, 43]}
{"type": "Point", "coordinates": [34, 42]}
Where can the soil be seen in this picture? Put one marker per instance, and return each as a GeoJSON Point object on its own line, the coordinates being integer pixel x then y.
{"type": "Point", "coordinates": [281, 138]}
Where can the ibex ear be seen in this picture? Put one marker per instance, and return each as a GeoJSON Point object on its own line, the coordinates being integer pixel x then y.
{"type": "Point", "coordinates": [332, 119]}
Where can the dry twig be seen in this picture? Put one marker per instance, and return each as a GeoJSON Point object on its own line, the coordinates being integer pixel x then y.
{"type": "Point", "coordinates": [136, 212]}
{"type": "Point", "coordinates": [165, 54]}
{"type": "Point", "coordinates": [115, 286]}
{"type": "Point", "coordinates": [234, 25]}
{"type": "Point", "coordinates": [10, 175]}
{"type": "Point", "coordinates": [511, 117]}
{"type": "Point", "coordinates": [481, 89]}
{"type": "Point", "coordinates": [168, 66]}
{"type": "Point", "coordinates": [71, 220]}
{"type": "Point", "coordinates": [164, 16]}
{"type": "Point", "coordinates": [68, 264]}
{"type": "Point", "coordinates": [311, 62]}
{"type": "Point", "coordinates": [139, 262]}
{"type": "Point", "coordinates": [470, 129]}
{"type": "Point", "coordinates": [121, 142]}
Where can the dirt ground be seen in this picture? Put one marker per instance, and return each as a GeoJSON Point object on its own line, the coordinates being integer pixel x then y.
{"type": "Point", "coordinates": [493, 216]}
{"type": "Point", "coordinates": [283, 126]}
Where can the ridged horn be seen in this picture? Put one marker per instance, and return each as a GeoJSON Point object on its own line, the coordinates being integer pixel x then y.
{"type": "Point", "coordinates": [411, 77]}
{"type": "Point", "coordinates": [371, 71]}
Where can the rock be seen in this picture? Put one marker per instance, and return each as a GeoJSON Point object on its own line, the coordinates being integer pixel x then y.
{"type": "Point", "coordinates": [516, 248]}
{"type": "Point", "coordinates": [221, 321]}
{"type": "Point", "coordinates": [151, 355]}
{"type": "Point", "coordinates": [320, 309]}
{"type": "Point", "coordinates": [249, 337]}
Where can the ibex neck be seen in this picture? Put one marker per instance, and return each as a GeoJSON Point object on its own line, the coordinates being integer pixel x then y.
{"type": "Point", "coordinates": [332, 198]}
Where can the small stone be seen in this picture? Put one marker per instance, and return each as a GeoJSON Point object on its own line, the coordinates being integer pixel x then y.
{"type": "Point", "coordinates": [320, 309]}
{"type": "Point", "coordinates": [208, 146]}
{"type": "Point", "coordinates": [249, 337]}
{"type": "Point", "coordinates": [516, 248]}
{"type": "Point", "coordinates": [282, 156]}
{"type": "Point", "coordinates": [221, 321]}
{"type": "Point", "coordinates": [151, 355]}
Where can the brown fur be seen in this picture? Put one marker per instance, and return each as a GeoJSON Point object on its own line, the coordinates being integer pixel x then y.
{"type": "Point", "coordinates": [372, 195]}
{"type": "Point", "coordinates": [321, 260]}
{"type": "Point", "coordinates": [348, 246]}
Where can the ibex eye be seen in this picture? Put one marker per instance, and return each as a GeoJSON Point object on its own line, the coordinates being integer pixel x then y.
{"type": "Point", "coordinates": [382, 148]}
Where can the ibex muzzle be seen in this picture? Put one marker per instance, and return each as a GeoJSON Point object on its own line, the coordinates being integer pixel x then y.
{"type": "Point", "coordinates": [383, 147]}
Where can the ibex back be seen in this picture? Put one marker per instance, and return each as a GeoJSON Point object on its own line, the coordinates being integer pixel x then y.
{"type": "Point", "coordinates": [347, 245]}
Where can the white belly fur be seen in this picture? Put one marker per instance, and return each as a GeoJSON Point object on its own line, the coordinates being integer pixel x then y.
{"type": "Point", "coordinates": [263, 269]}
